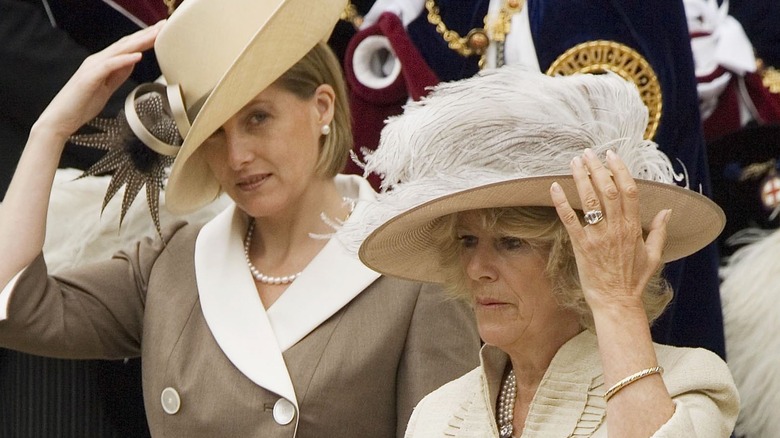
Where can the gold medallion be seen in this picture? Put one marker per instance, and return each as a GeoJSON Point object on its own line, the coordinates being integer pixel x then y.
{"type": "Point", "coordinates": [600, 56]}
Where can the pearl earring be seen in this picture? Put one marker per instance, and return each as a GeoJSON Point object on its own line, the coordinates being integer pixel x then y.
{"type": "Point", "coordinates": [325, 130]}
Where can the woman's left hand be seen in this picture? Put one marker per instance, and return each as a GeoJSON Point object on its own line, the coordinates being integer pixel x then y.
{"type": "Point", "coordinates": [615, 261]}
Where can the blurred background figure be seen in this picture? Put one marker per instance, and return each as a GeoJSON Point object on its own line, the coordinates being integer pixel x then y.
{"type": "Point", "coordinates": [750, 293]}
{"type": "Point", "coordinates": [454, 38]}
{"type": "Point", "coordinates": [746, 184]}
{"type": "Point", "coordinates": [736, 49]}
{"type": "Point", "coordinates": [43, 43]}
{"type": "Point", "coordinates": [730, 79]}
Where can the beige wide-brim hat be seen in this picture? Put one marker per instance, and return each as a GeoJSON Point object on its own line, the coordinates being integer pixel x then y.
{"type": "Point", "coordinates": [403, 246]}
{"type": "Point", "coordinates": [216, 56]}
{"type": "Point", "coordinates": [500, 140]}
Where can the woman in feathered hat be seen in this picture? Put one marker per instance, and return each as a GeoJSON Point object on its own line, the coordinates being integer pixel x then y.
{"type": "Point", "coordinates": [255, 324]}
{"type": "Point", "coordinates": [506, 200]}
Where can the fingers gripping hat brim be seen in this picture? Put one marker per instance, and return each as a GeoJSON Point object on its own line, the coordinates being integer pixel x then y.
{"type": "Point", "coordinates": [282, 32]}
{"type": "Point", "coordinates": [404, 246]}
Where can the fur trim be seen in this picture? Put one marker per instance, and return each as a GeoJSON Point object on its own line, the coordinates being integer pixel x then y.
{"type": "Point", "coordinates": [750, 296]}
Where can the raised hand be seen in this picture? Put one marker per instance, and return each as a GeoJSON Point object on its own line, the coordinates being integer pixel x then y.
{"type": "Point", "coordinates": [24, 208]}
{"type": "Point", "coordinates": [88, 90]}
{"type": "Point", "coordinates": [615, 261]}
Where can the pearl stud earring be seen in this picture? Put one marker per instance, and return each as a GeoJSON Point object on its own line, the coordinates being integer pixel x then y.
{"type": "Point", "coordinates": [325, 130]}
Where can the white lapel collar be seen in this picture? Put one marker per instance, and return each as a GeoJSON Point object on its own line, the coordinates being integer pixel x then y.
{"type": "Point", "coordinates": [232, 308]}
{"type": "Point", "coordinates": [250, 337]}
{"type": "Point", "coordinates": [331, 280]}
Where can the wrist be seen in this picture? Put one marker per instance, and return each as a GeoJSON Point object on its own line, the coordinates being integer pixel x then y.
{"type": "Point", "coordinates": [623, 317]}
{"type": "Point", "coordinates": [616, 306]}
{"type": "Point", "coordinates": [41, 130]}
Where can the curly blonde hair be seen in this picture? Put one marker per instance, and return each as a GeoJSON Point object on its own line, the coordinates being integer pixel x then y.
{"type": "Point", "coordinates": [541, 228]}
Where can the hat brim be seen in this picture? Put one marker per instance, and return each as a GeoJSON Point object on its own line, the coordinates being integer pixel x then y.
{"type": "Point", "coordinates": [403, 246]}
{"type": "Point", "coordinates": [288, 35]}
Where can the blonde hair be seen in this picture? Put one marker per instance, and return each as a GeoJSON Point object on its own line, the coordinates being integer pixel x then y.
{"type": "Point", "coordinates": [541, 228]}
{"type": "Point", "coordinates": [320, 66]}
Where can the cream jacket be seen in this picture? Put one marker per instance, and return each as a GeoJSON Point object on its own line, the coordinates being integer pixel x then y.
{"type": "Point", "coordinates": [569, 401]}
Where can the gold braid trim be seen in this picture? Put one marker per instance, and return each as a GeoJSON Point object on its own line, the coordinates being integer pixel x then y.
{"type": "Point", "coordinates": [503, 23]}
{"type": "Point", "coordinates": [351, 14]}
{"type": "Point", "coordinates": [770, 77]}
{"type": "Point", "coordinates": [757, 170]}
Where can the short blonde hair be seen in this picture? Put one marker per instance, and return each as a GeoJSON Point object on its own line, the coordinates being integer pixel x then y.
{"type": "Point", "coordinates": [320, 66]}
{"type": "Point", "coordinates": [541, 228]}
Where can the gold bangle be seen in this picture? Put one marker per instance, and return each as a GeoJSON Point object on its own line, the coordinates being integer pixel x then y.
{"type": "Point", "coordinates": [631, 379]}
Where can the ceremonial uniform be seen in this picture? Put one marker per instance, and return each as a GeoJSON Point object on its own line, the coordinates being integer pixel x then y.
{"type": "Point", "coordinates": [43, 43]}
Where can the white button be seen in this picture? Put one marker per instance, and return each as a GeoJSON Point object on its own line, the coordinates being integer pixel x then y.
{"type": "Point", "coordinates": [170, 401]}
{"type": "Point", "coordinates": [284, 411]}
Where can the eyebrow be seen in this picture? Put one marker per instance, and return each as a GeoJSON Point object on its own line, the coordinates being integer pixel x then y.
{"type": "Point", "coordinates": [253, 103]}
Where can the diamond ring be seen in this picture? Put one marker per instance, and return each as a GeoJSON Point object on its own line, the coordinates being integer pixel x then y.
{"type": "Point", "coordinates": [593, 217]}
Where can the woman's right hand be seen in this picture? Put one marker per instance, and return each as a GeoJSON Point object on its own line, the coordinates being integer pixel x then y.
{"type": "Point", "coordinates": [99, 76]}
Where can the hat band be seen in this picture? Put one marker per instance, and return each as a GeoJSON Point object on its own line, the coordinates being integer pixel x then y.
{"type": "Point", "coordinates": [140, 130]}
{"type": "Point", "coordinates": [178, 109]}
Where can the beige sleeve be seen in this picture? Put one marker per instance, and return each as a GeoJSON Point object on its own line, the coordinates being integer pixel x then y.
{"type": "Point", "coordinates": [442, 331]}
{"type": "Point", "coordinates": [705, 397]}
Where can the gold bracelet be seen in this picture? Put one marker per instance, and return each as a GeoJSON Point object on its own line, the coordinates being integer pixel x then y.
{"type": "Point", "coordinates": [629, 380]}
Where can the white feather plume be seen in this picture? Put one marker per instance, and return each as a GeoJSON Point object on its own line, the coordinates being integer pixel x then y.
{"type": "Point", "coordinates": [503, 124]}
{"type": "Point", "coordinates": [750, 296]}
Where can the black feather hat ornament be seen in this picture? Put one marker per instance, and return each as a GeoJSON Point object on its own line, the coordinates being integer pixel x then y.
{"type": "Point", "coordinates": [132, 162]}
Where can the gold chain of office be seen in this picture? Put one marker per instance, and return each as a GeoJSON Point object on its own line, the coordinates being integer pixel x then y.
{"type": "Point", "coordinates": [478, 39]}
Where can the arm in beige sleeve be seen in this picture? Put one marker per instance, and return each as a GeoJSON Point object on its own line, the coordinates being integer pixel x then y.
{"type": "Point", "coordinates": [24, 208]}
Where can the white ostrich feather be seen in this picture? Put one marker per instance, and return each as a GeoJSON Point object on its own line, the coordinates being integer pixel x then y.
{"type": "Point", "coordinates": [518, 122]}
{"type": "Point", "coordinates": [750, 296]}
{"type": "Point", "coordinates": [503, 124]}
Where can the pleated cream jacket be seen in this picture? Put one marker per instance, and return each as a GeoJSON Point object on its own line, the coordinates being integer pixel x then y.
{"type": "Point", "coordinates": [569, 401]}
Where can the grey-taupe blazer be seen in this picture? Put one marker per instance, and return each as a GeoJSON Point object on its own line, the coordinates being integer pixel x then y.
{"type": "Point", "coordinates": [217, 364]}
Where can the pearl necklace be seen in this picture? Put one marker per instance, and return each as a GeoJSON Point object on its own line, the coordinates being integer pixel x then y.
{"type": "Point", "coordinates": [259, 276]}
{"type": "Point", "coordinates": [506, 405]}
{"type": "Point", "coordinates": [267, 279]}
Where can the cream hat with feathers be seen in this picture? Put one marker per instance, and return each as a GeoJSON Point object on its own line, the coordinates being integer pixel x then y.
{"type": "Point", "coordinates": [501, 139]}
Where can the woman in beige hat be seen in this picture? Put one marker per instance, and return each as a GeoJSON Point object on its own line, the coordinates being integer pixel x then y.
{"type": "Point", "coordinates": [257, 323]}
{"type": "Point", "coordinates": [487, 179]}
